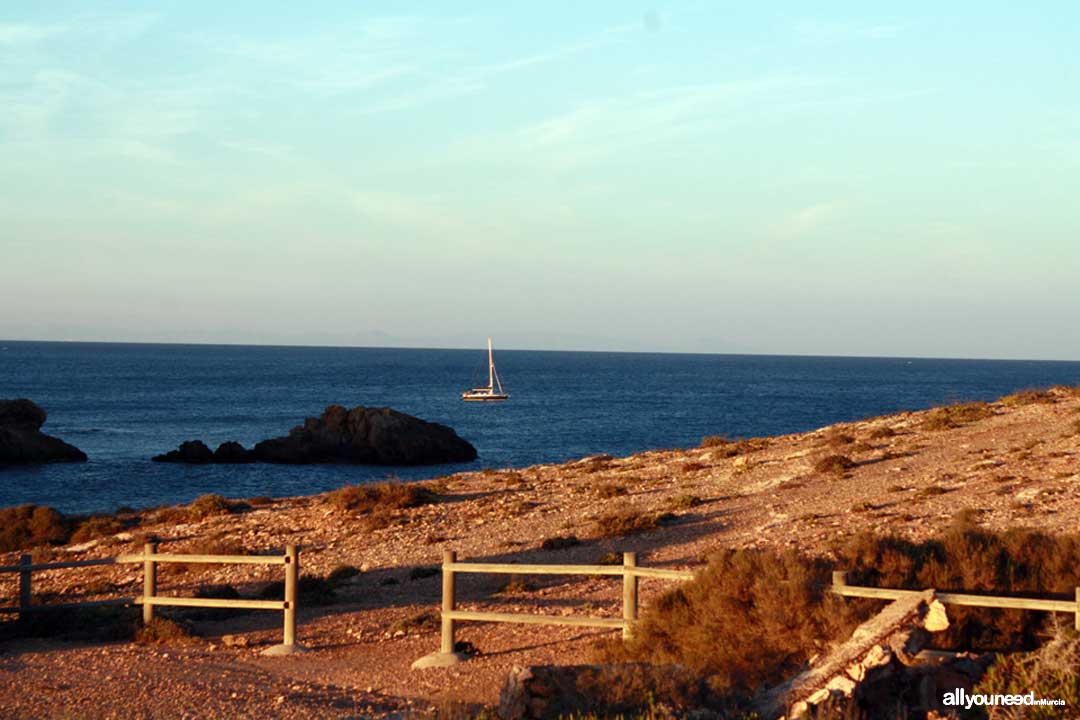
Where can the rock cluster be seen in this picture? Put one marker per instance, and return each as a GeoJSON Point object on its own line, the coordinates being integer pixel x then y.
{"type": "Point", "coordinates": [369, 436]}
{"type": "Point", "coordinates": [21, 439]}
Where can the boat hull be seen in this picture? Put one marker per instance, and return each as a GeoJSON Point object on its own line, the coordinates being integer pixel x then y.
{"type": "Point", "coordinates": [484, 398]}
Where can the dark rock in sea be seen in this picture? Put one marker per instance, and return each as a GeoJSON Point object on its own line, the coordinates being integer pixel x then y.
{"type": "Point", "coordinates": [375, 436]}
{"type": "Point", "coordinates": [194, 452]}
{"type": "Point", "coordinates": [233, 452]}
{"type": "Point", "coordinates": [21, 440]}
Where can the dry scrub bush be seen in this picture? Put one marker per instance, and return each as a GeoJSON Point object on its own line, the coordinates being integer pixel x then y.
{"type": "Point", "coordinates": [1052, 671]}
{"type": "Point", "coordinates": [162, 631]}
{"type": "Point", "coordinates": [684, 502]}
{"type": "Point", "coordinates": [560, 542]}
{"type": "Point", "coordinates": [751, 617]}
{"type": "Point", "coordinates": [968, 558]}
{"type": "Point", "coordinates": [953, 416]}
{"type": "Point", "coordinates": [208, 506]}
{"type": "Point", "coordinates": [730, 448]}
{"type": "Point", "coordinates": [95, 527]}
{"type": "Point", "coordinates": [1029, 397]}
{"type": "Point", "coordinates": [31, 525]}
{"type": "Point", "coordinates": [384, 496]}
{"type": "Point", "coordinates": [834, 464]}
{"type": "Point", "coordinates": [626, 522]}
{"type": "Point", "coordinates": [881, 433]}
{"type": "Point", "coordinates": [610, 490]}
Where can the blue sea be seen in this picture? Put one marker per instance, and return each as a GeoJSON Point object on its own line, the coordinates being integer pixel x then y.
{"type": "Point", "coordinates": [123, 403]}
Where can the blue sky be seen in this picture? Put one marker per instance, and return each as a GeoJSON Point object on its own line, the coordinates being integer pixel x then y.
{"type": "Point", "coordinates": [703, 177]}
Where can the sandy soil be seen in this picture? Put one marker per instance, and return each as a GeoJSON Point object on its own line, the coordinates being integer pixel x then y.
{"type": "Point", "coordinates": [1017, 467]}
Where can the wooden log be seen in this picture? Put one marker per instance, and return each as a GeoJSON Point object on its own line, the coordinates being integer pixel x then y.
{"type": "Point", "coordinates": [149, 581]}
{"type": "Point", "coordinates": [515, 569]}
{"type": "Point", "coordinates": [629, 594]}
{"type": "Point", "coordinates": [662, 573]}
{"type": "Point", "coordinates": [213, 603]}
{"type": "Point", "coordinates": [292, 581]}
{"type": "Point", "coordinates": [446, 640]}
{"type": "Point", "coordinates": [207, 559]}
{"type": "Point", "coordinates": [527, 619]}
{"type": "Point", "coordinates": [57, 565]}
{"type": "Point", "coordinates": [951, 598]}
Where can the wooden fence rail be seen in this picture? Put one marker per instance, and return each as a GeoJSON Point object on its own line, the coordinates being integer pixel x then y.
{"type": "Point", "coordinates": [840, 587]}
{"type": "Point", "coordinates": [451, 567]}
{"type": "Point", "coordinates": [150, 559]}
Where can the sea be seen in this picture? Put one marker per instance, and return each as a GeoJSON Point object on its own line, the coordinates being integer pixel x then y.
{"type": "Point", "coordinates": [123, 403]}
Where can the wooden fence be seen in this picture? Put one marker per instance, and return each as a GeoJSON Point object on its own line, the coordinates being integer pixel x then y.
{"type": "Point", "coordinates": [150, 559]}
{"type": "Point", "coordinates": [629, 571]}
{"type": "Point", "coordinates": [840, 587]}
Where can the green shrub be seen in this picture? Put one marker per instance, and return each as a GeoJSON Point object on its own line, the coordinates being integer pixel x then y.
{"type": "Point", "coordinates": [1052, 671]}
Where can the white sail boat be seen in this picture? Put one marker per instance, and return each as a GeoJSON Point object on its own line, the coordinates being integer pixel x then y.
{"type": "Point", "coordinates": [487, 393]}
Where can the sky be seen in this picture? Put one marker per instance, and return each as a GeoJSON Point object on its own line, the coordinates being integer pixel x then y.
{"type": "Point", "coordinates": [833, 178]}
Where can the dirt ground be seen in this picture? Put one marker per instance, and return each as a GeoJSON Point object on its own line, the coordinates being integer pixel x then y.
{"type": "Point", "coordinates": [1016, 467]}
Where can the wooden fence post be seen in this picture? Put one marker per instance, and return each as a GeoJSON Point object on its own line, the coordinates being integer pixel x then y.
{"type": "Point", "coordinates": [292, 580]}
{"type": "Point", "coordinates": [629, 594]}
{"type": "Point", "coordinates": [149, 588]}
{"type": "Point", "coordinates": [1076, 621]}
{"type": "Point", "coordinates": [25, 591]}
{"type": "Point", "coordinates": [446, 645]}
{"type": "Point", "coordinates": [839, 579]}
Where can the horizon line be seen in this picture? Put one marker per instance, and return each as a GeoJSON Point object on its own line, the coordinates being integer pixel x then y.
{"type": "Point", "coordinates": [517, 349]}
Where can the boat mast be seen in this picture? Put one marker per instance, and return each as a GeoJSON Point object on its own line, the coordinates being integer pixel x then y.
{"type": "Point", "coordinates": [491, 367]}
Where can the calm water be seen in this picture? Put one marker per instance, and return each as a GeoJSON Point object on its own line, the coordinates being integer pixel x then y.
{"type": "Point", "coordinates": [123, 403]}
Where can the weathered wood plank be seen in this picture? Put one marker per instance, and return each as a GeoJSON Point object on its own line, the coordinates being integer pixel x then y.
{"type": "Point", "coordinates": [575, 620]}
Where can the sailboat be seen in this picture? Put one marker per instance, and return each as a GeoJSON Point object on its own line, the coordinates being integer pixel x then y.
{"type": "Point", "coordinates": [487, 393]}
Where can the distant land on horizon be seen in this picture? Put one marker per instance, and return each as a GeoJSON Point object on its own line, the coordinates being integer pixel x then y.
{"type": "Point", "coordinates": [534, 349]}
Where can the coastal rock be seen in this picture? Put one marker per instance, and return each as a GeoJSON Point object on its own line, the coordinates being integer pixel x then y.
{"type": "Point", "coordinates": [369, 436]}
{"type": "Point", "coordinates": [21, 440]}
{"type": "Point", "coordinates": [376, 436]}
{"type": "Point", "coordinates": [193, 452]}
{"type": "Point", "coordinates": [232, 452]}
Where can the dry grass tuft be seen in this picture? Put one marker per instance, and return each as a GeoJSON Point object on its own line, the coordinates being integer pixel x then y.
{"type": "Point", "coordinates": [560, 542]}
{"type": "Point", "coordinates": [1029, 397]}
{"type": "Point", "coordinates": [626, 522]}
{"type": "Point", "coordinates": [610, 490]}
{"type": "Point", "coordinates": [953, 416]}
{"type": "Point", "coordinates": [380, 496]}
{"type": "Point", "coordinates": [834, 464]}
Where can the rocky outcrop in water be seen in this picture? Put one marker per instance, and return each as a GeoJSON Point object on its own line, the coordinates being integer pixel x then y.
{"type": "Point", "coordinates": [369, 436]}
{"type": "Point", "coordinates": [21, 439]}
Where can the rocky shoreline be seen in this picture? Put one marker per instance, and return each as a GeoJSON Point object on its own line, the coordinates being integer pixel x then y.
{"type": "Point", "coordinates": [21, 439]}
{"type": "Point", "coordinates": [363, 436]}
{"type": "Point", "coordinates": [1001, 465]}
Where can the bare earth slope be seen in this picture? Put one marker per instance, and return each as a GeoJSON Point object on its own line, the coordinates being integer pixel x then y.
{"type": "Point", "coordinates": [910, 474]}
